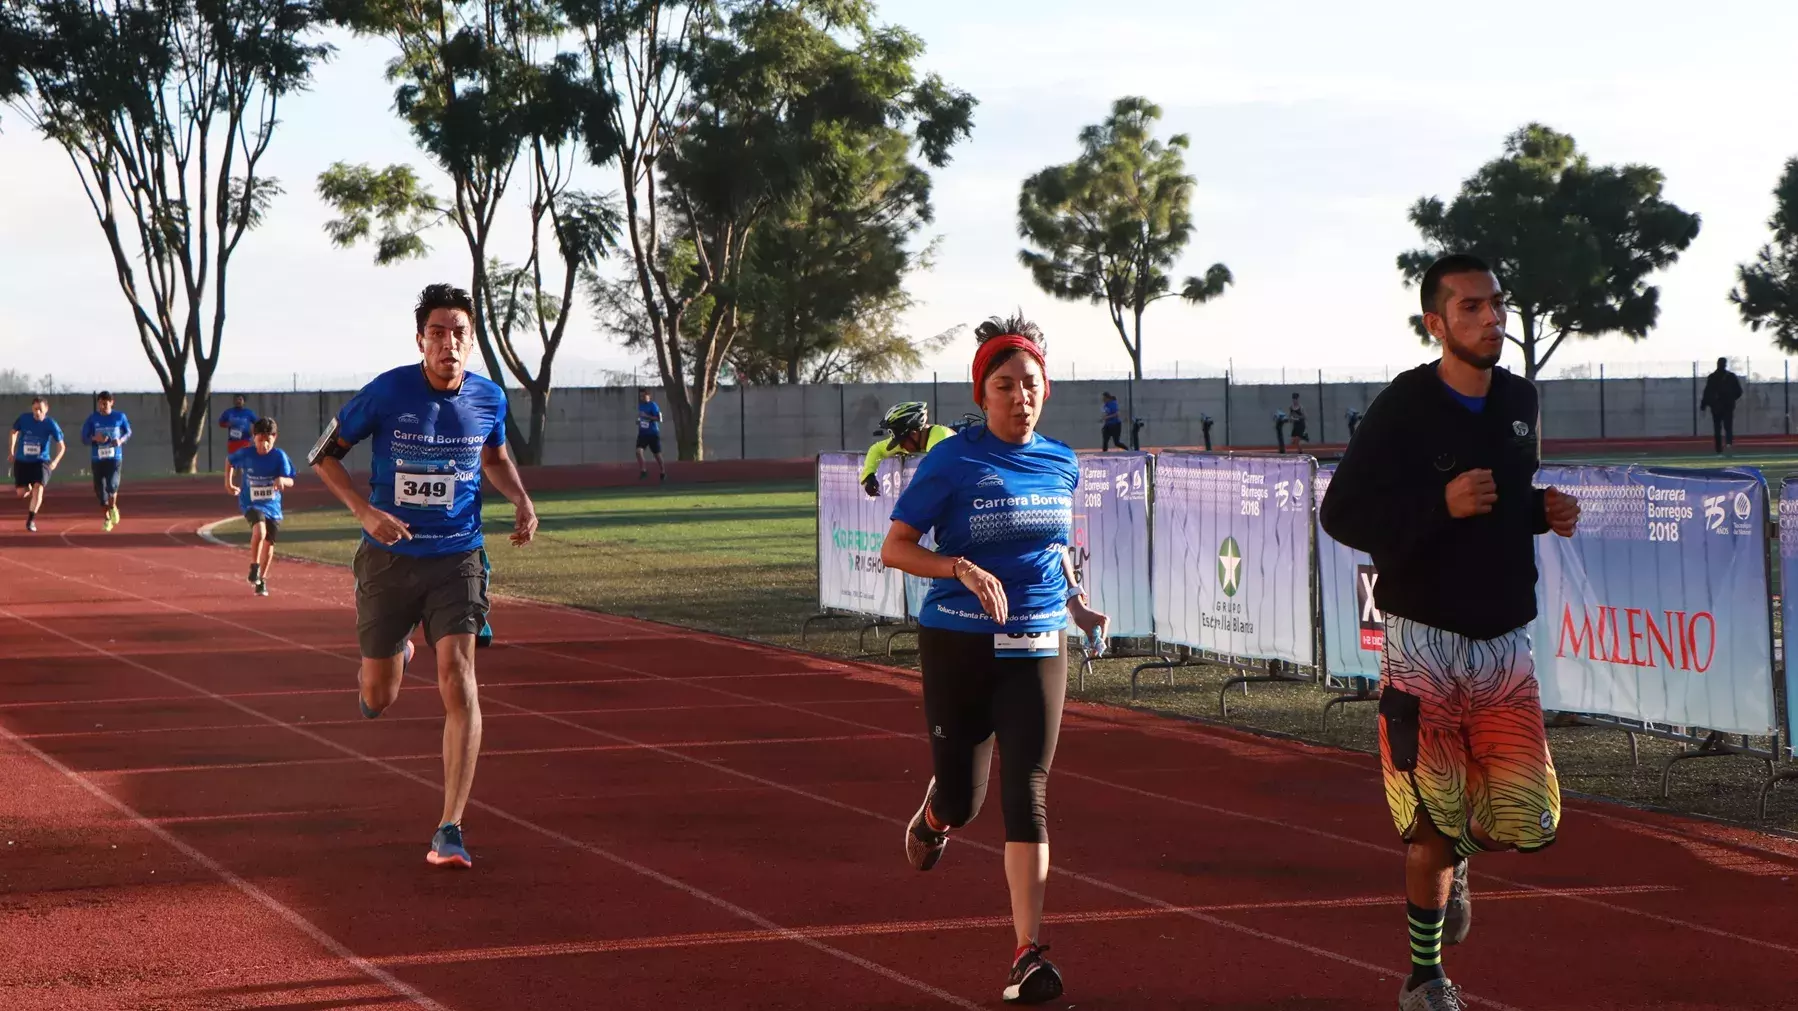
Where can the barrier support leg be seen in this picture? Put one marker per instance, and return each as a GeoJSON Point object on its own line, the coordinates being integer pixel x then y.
{"type": "Point", "coordinates": [1166, 664]}
{"type": "Point", "coordinates": [1778, 777]}
{"type": "Point", "coordinates": [1716, 745]}
{"type": "Point", "coordinates": [1362, 693]}
{"type": "Point", "coordinates": [895, 636]}
{"type": "Point", "coordinates": [1274, 677]}
{"type": "Point", "coordinates": [806, 624]}
{"type": "Point", "coordinates": [861, 636]}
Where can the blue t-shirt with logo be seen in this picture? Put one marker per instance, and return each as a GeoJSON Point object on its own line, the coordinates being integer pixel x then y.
{"type": "Point", "coordinates": [236, 422]}
{"type": "Point", "coordinates": [1008, 509]}
{"type": "Point", "coordinates": [649, 419]}
{"type": "Point", "coordinates": [35, 437]}
{"type": "Point", "coordinates": [1111, 413]}
{"type": "Point", "coordinates": [114, 426]}
{"type": "Point", "coordinates": [426, 454]}
{"type": "Point", "coordinates": [257, 487]}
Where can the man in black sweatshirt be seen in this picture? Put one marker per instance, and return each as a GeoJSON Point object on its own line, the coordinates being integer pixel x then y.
{"type": "Point", "coordinates": [1436, 486]}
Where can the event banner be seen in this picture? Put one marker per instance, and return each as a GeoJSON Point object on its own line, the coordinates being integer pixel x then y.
{"type": "Point", "coordinates": [1231, 556]}
{"type": "Point", "coordinates": [1656, 609]}
{"type": "Point", "coordinates": [851, 529]}
{"type": "Point", "coordinates": [1788, 571]}
{"type": "Point", "coordinates": [1354, 629]}
{"type": "Point", "coordinates": [1111, 539]}
{"type": "Point", "coordinates": [915, 586]}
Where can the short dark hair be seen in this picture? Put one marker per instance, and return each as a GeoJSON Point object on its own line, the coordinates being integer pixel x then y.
{"type": "Point", "coordinates": [998, 326]}
{"type": "Point", "coordinates": [1108, 396]}
{"type": "Point", "coordinates": [441, 296]}
{"type": "Point", "coordinates": [40, 400]}
{"type": "Point", "coordinates": [238, 396]}
{"type": "Point", "coordinates": [103, 395]}
{"type": "Point", "coordinates": [1430, 290]}
{"type": "Point", "coordinates": [265, 426]}
{"type": "Point", "coordinates": [1723, 363]}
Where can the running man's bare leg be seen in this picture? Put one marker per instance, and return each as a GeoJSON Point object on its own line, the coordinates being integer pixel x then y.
{"type": "Point", "coordinates": [461, 722]}
{"type": "Point", "coordinates": [1429, 866]}
{"type": "Point", "coordinates": [380, 680]}
{"type": "Point", "coordinates": [264, 549]}
{"type": "Point", "coordinates": [37, 497]}
{"type": "Point", "coordinates": [1027, 873]}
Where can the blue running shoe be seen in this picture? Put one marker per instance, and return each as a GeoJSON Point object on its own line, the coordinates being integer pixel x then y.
{"type": "Point", "coordinates": [447, 849]}
{"type": "Point", "coordinates": [367, 713]}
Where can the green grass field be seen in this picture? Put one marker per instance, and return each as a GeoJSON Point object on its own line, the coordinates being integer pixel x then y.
{"type": "Point", "coordinates": [741, 560]}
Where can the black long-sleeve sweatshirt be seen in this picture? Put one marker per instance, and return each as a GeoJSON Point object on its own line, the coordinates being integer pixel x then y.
{"type": "Point", "coordinates": [1475, 576]}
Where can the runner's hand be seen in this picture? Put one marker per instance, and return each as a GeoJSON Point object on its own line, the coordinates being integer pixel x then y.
{"type": "Point", "coordinates": [524, 527]}
{"type": "Point", "coordinates": [1086, 619]}
{"type": "Point", "coordinates": [1471, 494]}
{"type": "Point", "coordinates": [284, 482]}
{"type": "Point", "coordinates": [385, 528]}
{"type": "Point", "coordinates": [1563, 512]}
{"type": "Point", "coordinates": [987, 588]}
{"type": "Point", "coordinates": [231, 488]}
{"type": "Point", "coordinates": [871, 485]}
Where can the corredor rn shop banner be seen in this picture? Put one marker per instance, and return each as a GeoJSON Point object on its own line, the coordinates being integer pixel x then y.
{"type": "Point", "coordinates": [1354, 629]}
{"type": "Point", "coordinates": [1656, 609]}
{"type": "Point", "coordinates": [851, 529]}
{"type": "Point", "coordinates": [1111, 539]}
{"type": "Point", "coordinates": [1231, 554]}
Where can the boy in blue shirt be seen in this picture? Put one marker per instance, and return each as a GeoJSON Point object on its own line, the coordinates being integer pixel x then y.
{"type": "Point", "coordinates": [28, 448]}
{"type": "Point", "coordinates": [238, 422]}
{"type": "Point", "coordinates": [435, 430]}
{"type": "Point", "coordinates": [105, 432]}
{"type": "Point", "coordinates": [265, 472]}
{"type": "Point", "coordinates": [649, 434]}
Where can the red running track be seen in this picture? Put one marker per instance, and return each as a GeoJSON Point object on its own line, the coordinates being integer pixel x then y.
{"type": "Point", "coordinates": [195, 817]}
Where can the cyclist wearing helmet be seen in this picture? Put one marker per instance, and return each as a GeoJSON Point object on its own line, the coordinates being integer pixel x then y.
{"type": "Point", "coordinates": [911, 432]}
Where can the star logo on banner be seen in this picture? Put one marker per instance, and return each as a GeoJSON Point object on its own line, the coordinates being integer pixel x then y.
{"type": "Point", "coordinates": [1229, 566]}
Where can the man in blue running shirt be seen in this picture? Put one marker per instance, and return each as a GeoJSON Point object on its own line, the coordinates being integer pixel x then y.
{"type": "Point", "coordinates": [436, 430]}
{"type": "Point", "coordinates": [237, 421]}
{"type": "Point", "coordinates": [105, 432]}
{"type": "Point", "coordinates": [28, 449]}
{"type": "Point", "coordinates": [257, 476]}
{"type": "Point", "coordinates": [649, 434]}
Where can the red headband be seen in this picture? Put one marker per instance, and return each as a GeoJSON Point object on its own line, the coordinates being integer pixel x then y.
{"type": "Point", "coordinates": [994, 347]}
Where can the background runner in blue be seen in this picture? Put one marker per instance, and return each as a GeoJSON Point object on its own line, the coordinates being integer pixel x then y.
{"type": "Point", "coordinates": [236, 422]}
{"type": "Point", "coordinates": [260, 487]}
{"type": "Point", "coordinates": [35, 437]}
{"type": "Point", "coordinates": [105, 435]}
{"type": "Point", "coordinates": [1007, 508]}
{"type": "Point", "coordinates": [427, 454]}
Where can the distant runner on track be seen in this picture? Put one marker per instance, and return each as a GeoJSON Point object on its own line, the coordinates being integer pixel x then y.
{"type": "Point", "coordinates": [238, 421]}
{"type": "Point", "coordinates": [28, 448]}
{"type": "Point", "coordinates": [106, 431]}
{"type": "Point", "coordinates": [257, 476]}
{"type": "Point", "coordinates": [1437, 486]}
{"type": "Point", "coordinates": [1000, 498]}
{"type": "Point", "coordinates": [436, 430]}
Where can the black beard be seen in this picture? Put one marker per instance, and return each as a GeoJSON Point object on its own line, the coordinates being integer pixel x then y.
{"type": "Point", "coordinates": [1482, 362]}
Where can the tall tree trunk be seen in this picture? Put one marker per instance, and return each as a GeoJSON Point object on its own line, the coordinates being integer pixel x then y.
{"type": "Point", "coordinates": [531, 453]}
{"type": "Point", "coordinates": [181, 438]}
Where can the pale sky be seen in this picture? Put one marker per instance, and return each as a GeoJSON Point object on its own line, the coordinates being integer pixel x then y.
{"type": "Point", "coordinates": [1314, 126]}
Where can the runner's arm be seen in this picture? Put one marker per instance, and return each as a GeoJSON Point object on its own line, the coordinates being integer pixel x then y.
{"type": "Point", "coordinates": [12, 445]}
{"type": "Point", "coordinates": [871, 463]}
{"type": "Point", "coordinates": [124, 430]}
{"type": "Point", "coordinates": [497, 465]}
{"type": "Point", "coordinates": [1372, 505]}
{"type": "Point", "coordinates": [230, 486]}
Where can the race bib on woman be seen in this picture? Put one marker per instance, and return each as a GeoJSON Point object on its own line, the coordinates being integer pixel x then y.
{"type": "Point", "coordinates": [1026, 645]}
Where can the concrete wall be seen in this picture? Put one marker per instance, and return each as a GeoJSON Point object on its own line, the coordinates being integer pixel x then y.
{"type": "Point", "coordinates": [598, 425]}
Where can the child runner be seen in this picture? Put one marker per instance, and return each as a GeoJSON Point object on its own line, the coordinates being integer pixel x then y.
{"type": "Point", "coordinates": [105, 432]}
{"type": "Point", "coordinates": [265, 471]}
{"type": "Point", "coordinates": [29, 450]}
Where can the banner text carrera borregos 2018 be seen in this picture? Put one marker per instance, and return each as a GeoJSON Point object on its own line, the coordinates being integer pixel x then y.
{"type": "Point", "coordinates": [1111, 539]}
{"type": "Point", "coordinates": [1231, 554]}
{"type": "Point", "coordinates": [851, 528]}
{"type": "Point", "coordinates": [1657, 609]}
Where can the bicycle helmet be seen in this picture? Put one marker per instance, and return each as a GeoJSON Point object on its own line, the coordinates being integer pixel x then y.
{"type": "Point", "coordinates": [911, 416]}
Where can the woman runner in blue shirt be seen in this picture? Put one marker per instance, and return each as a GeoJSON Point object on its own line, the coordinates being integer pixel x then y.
{"type": "Point", "coordinates": [1000, 498]}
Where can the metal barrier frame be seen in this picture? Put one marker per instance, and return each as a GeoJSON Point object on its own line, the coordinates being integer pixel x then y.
{"type": "Point", "coordinates": [826, 613]}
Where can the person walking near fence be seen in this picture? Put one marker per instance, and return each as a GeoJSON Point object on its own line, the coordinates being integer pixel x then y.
{"type": "Point", "coordinates": [1436, 485]}
{"type": "Point", "coordinates": [649, 435]}
{"type": "Point", "coordinates": [239, 423]}
{"type": "Point", "coordinates": [992, 645]}
{"type": "Point", "coordinates": [1111, 431]}
{"type": "Point", "coordinates": [1721, 391]}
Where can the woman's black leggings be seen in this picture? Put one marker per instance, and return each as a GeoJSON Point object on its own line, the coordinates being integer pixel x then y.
{"type": "Point", "coordinates": [971, 700]}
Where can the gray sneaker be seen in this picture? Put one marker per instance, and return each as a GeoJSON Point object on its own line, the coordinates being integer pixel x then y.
{"type": "Point", "coordinates": [1436, 995]}
{"type": "Point", "coordinates": [1457, 918]}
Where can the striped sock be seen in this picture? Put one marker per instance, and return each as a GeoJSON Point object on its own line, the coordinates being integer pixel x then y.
{"type": "Point", "coordinates": [1426, 943]}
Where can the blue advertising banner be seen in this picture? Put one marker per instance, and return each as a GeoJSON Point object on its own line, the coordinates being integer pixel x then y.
{"type": "Point", "coordinates": [1354, 629]}
{"type": "Point", "coordinates": [1656, 610]}
{"type": "Point", "coordinates": [1788, 572]}
{"type": "Point", "coordinates": [1230, 561]}
{"type": "Point", "coordinates": [1111, 539]}
{"type": "Point", "coordinates": [851, 529]}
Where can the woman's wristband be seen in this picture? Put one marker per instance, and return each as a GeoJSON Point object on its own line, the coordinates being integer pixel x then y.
{"type": "Point", "coordinates": [955, 567]}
